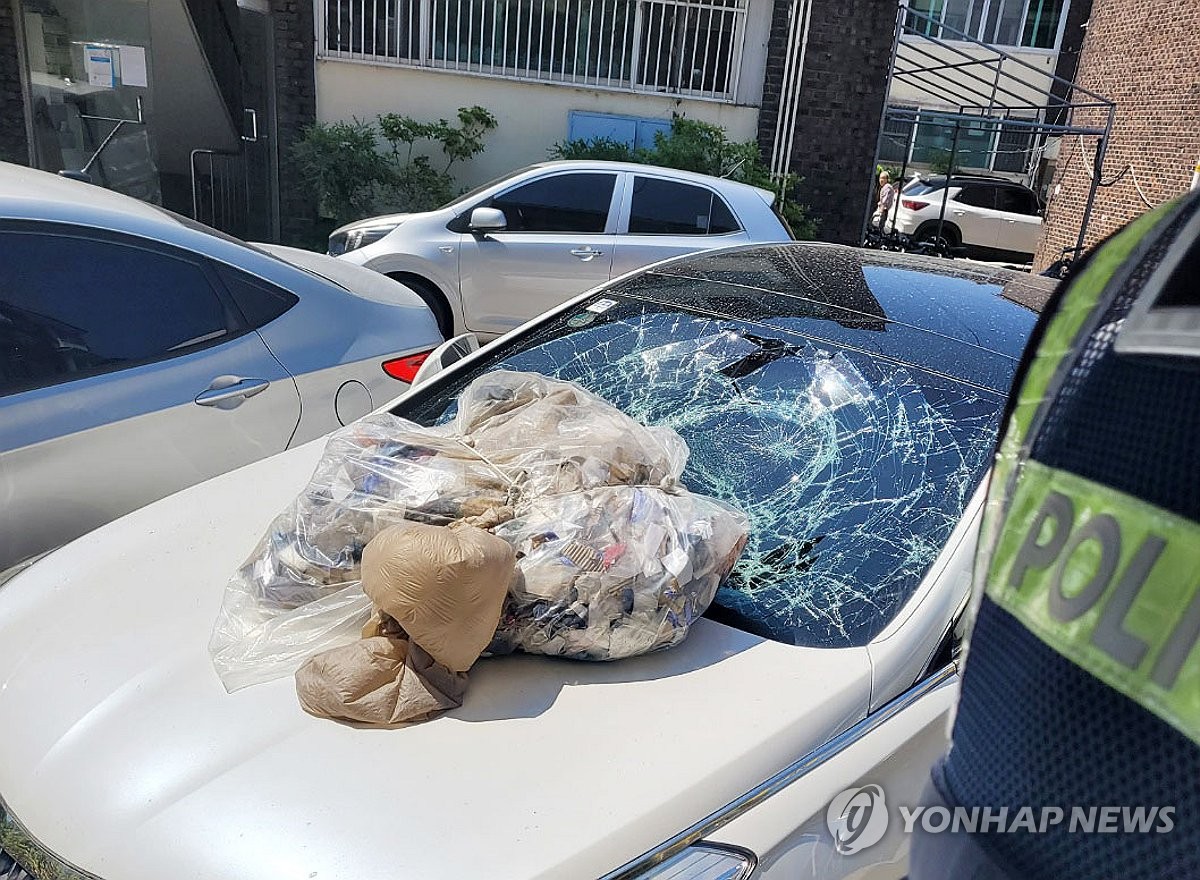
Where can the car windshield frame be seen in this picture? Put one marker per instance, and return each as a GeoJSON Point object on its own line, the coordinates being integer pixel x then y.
{"type": "Point", "coordinates": [494, 182]}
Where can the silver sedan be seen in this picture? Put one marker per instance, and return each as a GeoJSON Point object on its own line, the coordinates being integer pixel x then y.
{"type": "Point", "coordinates": [141, 353]}
{"type": "Point", "coordinates": [525, 243]}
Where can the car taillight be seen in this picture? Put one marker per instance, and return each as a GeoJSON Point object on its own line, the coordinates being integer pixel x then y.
{"type": "Point", "coordinates": [405, 368]}
{"type": "Point", "coordinates": [913, 204]}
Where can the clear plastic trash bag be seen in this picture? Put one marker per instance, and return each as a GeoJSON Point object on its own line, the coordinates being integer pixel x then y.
{"type": "Point", "coordinates": [519, 442]}
{"type": "Point", "coordinates": [614, 571]}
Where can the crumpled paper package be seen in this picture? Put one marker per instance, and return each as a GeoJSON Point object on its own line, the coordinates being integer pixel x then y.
{"type": "Point", "coordinates": [600, 582]}
{"type": "Point", "coordinates": [378, 681]}
{"type": "Point", "coordinates": [443, 585]}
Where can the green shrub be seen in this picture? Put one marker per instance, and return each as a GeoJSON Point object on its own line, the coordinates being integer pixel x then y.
{"type": "Point", "coordinates": [599, 149]}
{"type": "Point", "coordinates": [939, 163]}
{"type": "Point", "coordinates": [354, 178]}
{"type": "Point", "coordinates": [343, 164]}
{"type": "Point", "coordinates": [697, 146]}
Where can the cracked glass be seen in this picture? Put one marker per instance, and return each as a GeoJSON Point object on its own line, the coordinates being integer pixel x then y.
{"type": "Point", "coordinates": [853, 439]}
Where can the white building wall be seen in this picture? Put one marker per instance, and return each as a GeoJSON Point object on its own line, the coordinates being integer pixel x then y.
{"type": "Point", "coordinates": [533, 116]}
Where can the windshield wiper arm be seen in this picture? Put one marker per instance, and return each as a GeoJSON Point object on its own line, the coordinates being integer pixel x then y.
{"type": "Point", "coordinates": [768, 351]}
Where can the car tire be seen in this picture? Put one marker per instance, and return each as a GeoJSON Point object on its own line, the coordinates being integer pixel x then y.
{"type": "Point", "coordinates": [927, 237]}
{"type": "Point", "coordinates": [432, 297]}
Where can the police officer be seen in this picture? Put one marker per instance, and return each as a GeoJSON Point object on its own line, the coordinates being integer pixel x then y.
{"type": "Point", "coordinates": [1081, 689]}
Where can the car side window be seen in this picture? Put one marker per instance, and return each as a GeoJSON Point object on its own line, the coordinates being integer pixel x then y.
{"type": "Point", "coordinates": [1016, 201]}
{"type": "Point", "coordinates": [72, 306]}
{"type": "Point", "coordinates": [977, 196]}
{"type": "Point", "coordinates": [561, 203]}
{"type": "Point", "coordinates": [664, 207]}
{"type": "Point", "coordinates": [259, 301]}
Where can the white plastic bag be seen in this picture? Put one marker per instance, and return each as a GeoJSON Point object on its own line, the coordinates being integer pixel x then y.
{"type": "Point", "coordinates": [519, 443]}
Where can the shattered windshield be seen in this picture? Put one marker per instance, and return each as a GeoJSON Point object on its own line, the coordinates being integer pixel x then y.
{"type": "Point", "coordinates": [854, 468]}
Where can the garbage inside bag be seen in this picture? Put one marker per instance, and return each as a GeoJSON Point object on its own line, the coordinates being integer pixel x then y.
{"type": "Point", "coordinates": [614, 571]}
{"type": "Point", "coordinates": [579, 480]}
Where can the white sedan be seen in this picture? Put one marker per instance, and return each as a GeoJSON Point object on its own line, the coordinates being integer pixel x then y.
{"type": "Point", "coordinates": [842, 398]}
{"type": "Point", "coordinates": [141, 352]}
{"type": "Point", "coordinates": [520, 245]}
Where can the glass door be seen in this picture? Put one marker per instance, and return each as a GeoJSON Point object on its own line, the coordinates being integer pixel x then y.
{"type": "Point", "coordinates": [88, 70]}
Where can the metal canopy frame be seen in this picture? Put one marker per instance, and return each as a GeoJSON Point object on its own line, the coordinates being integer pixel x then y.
{"type": "Point", "coordinates": [971, 76]}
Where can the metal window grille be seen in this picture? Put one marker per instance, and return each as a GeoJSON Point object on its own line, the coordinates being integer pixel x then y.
{"type": "Point", "coordinates": [1029, 23]}
{"type": "Point", "coordinates": [897, 138]}
{"type": "Point", "coordinates": [1014, 149]}
{"type": "Point", "coordinates": [689, 47]}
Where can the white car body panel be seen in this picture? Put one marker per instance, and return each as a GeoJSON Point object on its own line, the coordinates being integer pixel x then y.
{"type": "Point", "coordinates": [1018, 232]}
{"type": "Point", "coordinates": [979, 226]}
{"type": "Point", "coordinates": [789, 831]}
{"type": "Point", "coordinates": [550, 769]}
{"type": "Point", "coordinates": [501, 290]}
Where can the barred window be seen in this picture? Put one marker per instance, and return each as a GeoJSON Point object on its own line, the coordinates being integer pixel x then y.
{"type": "Point", "coordinates": [691, 47]}
{"type": "Point", "coordinates": [1028, 23]}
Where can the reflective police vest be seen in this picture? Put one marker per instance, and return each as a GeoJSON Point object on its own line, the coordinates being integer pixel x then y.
{"type": "Point", "coordinates": [1081, 690]}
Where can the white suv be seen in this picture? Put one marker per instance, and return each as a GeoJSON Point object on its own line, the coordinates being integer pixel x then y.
{"type": "Point", "coordinates": [990, 217]}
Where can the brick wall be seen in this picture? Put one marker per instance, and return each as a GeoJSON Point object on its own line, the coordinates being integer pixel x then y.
{"type": "Point", "coordinates": [296, 107]}
{"type": "Point", "coordinates": [841, 98]}
{"type": "Point", "coordinates": [13, 145]}
{"type": "Point", "coordinates": [1144, 57]}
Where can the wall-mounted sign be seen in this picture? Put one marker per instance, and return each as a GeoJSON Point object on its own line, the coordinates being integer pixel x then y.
{"type": "Point", "coordinates": [133, 66]}
{"type": "Point", "coordinates": [100, 62]}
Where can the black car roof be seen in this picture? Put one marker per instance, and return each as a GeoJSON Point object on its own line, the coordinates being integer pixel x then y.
{"type": "Point", "coordinates": [966, 321]}
{"type": "Point", "coordinates": [940, 180]}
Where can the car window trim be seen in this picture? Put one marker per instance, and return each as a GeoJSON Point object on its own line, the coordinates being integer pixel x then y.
{"type": "Point", "coordinates": [236, 325]}
{"type": "Point", "coordinates": [628, 217]}
{"type": "Point", "coordinates": [219, 269]}
{"type": "Point", "coordinates": [1027, 195]}
{"type": "Point", "coordinates": [609, 226]}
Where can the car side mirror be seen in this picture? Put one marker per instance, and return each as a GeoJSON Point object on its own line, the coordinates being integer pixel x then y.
{"type": "Point", "coordinates": [485, 220]}
{"type": "Point", "coordinates": [449, 352]}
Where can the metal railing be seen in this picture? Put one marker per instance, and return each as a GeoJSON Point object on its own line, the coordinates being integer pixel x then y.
{"type": "Point", "coordinates": [687, 47]}
{"type": "Point", "coordinates": [220, 190]}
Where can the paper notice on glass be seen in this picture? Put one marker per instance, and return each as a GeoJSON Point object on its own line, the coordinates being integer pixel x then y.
{"type": "Point", "coordinates": [99, 61]}
{"type": "Point", "coordinates": [133, 66]}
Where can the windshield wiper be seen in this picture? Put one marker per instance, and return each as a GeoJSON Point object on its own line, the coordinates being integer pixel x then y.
{"type": "Point", "coordinates": [768, 351]}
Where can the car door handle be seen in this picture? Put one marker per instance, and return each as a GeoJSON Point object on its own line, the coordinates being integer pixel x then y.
{"type": "Point", "coordinates": [586, 253]}
{"type": "Point", "coordinates": [230, 390]}
{"type": "Point", "coordinates": [960, 213]}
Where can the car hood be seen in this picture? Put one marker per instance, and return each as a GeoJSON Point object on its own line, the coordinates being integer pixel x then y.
{"type": "Point", "coordinates": [124, 755]}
